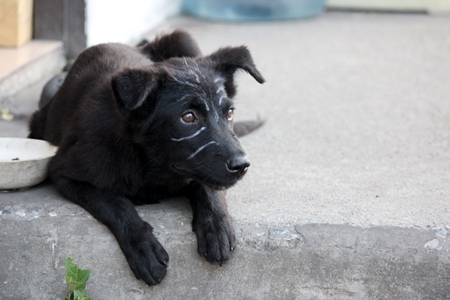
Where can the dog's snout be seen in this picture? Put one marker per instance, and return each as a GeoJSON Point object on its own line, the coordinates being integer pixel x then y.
{"type": "Point", "coordinates": [238, 164]}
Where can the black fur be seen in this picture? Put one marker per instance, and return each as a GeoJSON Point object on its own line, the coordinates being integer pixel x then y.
{"type": "Point", "coordinates": [131, 131]}
{"type": "Point", "coordinates": [177, 44]}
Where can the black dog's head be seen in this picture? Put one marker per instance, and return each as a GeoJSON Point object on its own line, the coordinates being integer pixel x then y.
{"type": "Point", "coordinates": [180, 111]}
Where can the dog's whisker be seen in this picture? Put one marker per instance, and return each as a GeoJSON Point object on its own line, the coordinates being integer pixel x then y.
{"type": "Point", "coordinates": [219, 79]}
{"type": "Point", "coordinates": [205, 102]}
{"type": "Point", "coordinates": [201, 148]}
{"type": "Point", "coordinates": [144, 166]}
{"type": "Point", "coordinates": [190, 136]}
{"type": "Point", "coordinates": [182, 98]}
{"type": "Point", "coordinates": [221, 98]}
{"type": "Point", "coordinates": [221, 89]}
{"type": "Point", "coordinates": [202, 75]}
{"type": "Point", "coordinates": [216, 115]}
{"type": "Point", "coordinates": [197, 68]}
{"type": "Point", "coordinates": [191, 72]}
{"type": "Point", "coordinates": [184, 82]}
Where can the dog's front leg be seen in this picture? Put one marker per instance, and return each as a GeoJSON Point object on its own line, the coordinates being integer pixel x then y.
{"type": "Point", "coordinates": [211, 223]}
{"type": "Point", "coordinates": [146, 257]}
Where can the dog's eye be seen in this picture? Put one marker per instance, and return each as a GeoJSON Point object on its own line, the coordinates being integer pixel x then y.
{"type": "Point", "coordinates": [188, 117]}
{"type": "Point", "coordinates": [230, 114]}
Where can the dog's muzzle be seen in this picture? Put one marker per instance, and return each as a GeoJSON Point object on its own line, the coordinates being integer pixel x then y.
{"type": "Point", "coordinates": [223, 176]}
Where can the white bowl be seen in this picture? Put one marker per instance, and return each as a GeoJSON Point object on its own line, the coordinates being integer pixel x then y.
{"type": "Point", "coordinates": [23, 162]}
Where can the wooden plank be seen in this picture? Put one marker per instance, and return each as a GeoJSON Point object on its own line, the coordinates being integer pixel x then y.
{"type": "Point", "coordinates": [15, 22]}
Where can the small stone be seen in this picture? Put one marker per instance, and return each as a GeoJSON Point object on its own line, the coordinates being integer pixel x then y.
{"type": "Point", "coordinates": [283, 235]}
{"type": "Point", "coordinates": [280, 231]}
{"type": "Point", "coordinates": [433, 244]}
{"type": "Point", "coordinates": [21, 212]}
{"type": "Point", "coordinates": [6, 115]}
{"type": "Point", "coordinates": [441, 233]}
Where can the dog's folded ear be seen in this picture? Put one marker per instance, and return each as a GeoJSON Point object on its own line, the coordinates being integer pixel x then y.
{"type": "Point", "coordinates": [228, 60]}
{"type": "Point", "coordinates": [176, 44]}
{"type": "Point", "coordinates": [132, 87]}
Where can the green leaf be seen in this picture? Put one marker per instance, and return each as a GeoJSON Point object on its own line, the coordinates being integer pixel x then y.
{"type": "Point", "coordinates": [76, 278]}
{"type": "Point", "coordinates": [77, 295]}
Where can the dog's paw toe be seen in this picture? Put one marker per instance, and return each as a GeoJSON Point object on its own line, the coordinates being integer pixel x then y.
{"type": "Point", "coordinates": [148, 269]}
{"type": "Point", "coordinates": [215, 242]}
{"type": "Point", "coordinates": [147, 258]}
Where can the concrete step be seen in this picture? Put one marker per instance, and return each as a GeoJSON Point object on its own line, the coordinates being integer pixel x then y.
{"type": "Point", "coordinates": [27, 65]}
{"type": "Point", "coordinates": [283, 260]}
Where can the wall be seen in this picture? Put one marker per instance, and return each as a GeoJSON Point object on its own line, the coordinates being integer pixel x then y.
{"type": "Point", "coordinates": [125, 21]}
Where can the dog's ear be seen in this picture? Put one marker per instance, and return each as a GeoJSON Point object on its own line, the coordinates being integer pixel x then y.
{"type": "Point", "coordinates": [228, 60]}
{"type": "Point", "coordinates": [177, 44]}
{"type": "Point", "coordinates": [132, 87]}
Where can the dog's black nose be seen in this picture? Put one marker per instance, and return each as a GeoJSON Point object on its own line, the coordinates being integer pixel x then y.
{"type": "Point", "coordinates": [238, 164]}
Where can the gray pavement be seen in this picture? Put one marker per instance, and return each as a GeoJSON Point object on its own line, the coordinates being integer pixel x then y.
{"type": "Point", "coordinates": [348, 195]}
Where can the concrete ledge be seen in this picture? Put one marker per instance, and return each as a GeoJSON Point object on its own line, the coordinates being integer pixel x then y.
{"type": "Point", "coordinates": [27, 65]}
{"type": "Point", "coordinates": [39, 230]}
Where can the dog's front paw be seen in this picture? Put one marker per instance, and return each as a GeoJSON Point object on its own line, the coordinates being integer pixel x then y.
{"type": "Point", "coordinates": [146, 257]}
{"type": "Point", "coordinates": [215, 239]}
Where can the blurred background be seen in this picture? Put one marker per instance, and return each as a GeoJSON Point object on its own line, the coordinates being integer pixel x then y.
{"type": "Point", "coordinates": [28, 26]}
{"type": "Point", "coordinates": [38, 36]}
{"type": "Point", "coordinates": [81, 23]}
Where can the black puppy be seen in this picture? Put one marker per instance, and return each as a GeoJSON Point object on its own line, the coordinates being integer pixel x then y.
{"type": "Point", "coordinates": [136, 125]}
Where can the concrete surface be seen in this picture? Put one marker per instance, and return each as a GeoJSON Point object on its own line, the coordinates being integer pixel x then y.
{"type": "Point", "coordinates": [347, 196]}
{"type": "Point", "coordinates": [25, 66]}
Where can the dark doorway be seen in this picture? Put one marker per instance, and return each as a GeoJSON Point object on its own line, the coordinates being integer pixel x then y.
{"type": "Point", "coordinates": [62, 20]}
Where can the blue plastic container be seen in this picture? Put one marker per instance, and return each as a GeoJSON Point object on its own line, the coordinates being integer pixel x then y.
{"type": "Point", "coordinates": [253, 10]}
